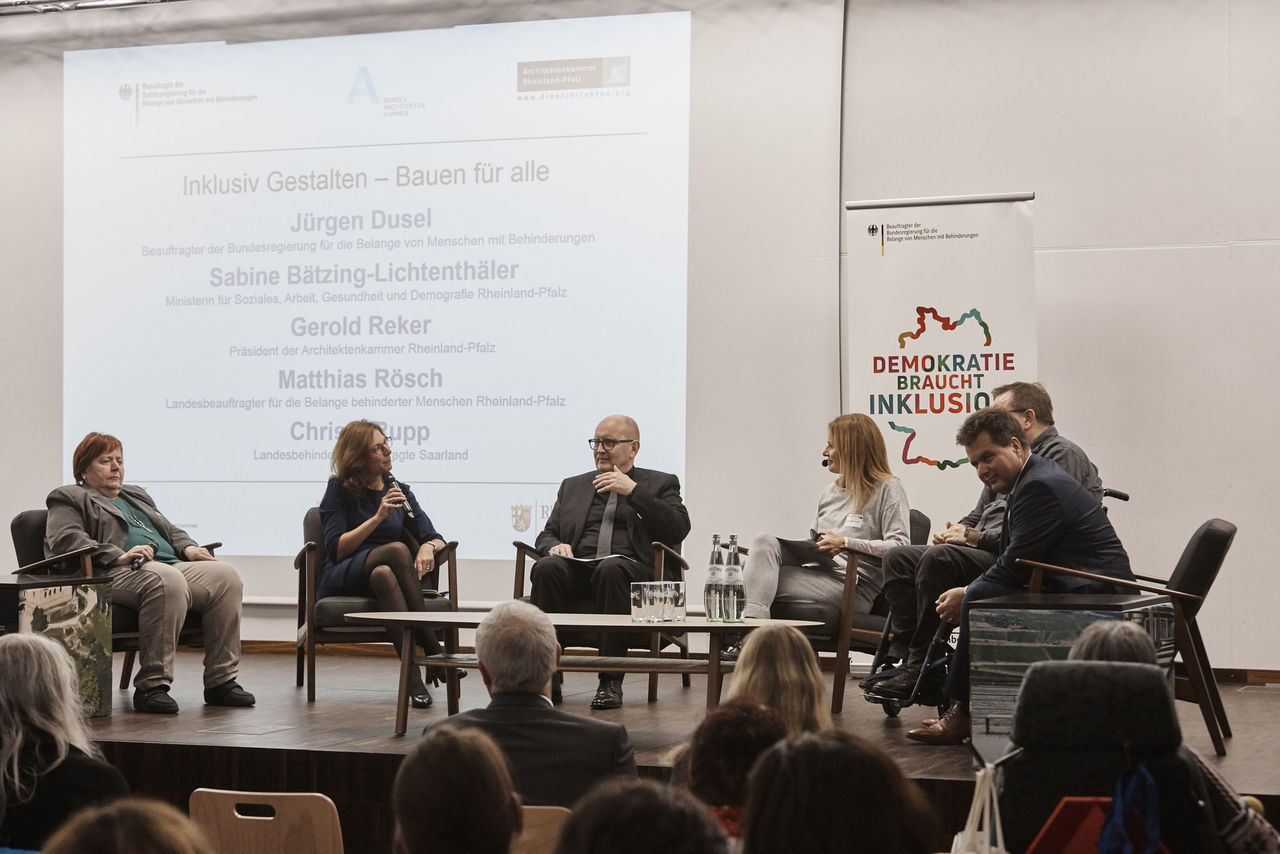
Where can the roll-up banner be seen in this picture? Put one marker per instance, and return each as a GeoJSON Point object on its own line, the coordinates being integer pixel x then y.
{"type": "Point", "coordinates": [938, 309]}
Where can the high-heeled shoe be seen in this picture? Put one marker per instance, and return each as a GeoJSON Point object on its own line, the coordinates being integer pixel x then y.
{"type": "Point", "coordinates": [419, 696]}
{"type": "Point", "coordinates": [439, 674]}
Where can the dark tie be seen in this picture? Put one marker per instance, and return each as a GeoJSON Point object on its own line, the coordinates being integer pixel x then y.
{"type": "Point", "coordinates": [605, 543]}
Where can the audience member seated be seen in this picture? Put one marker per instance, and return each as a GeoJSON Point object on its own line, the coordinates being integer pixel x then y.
{"type": "Point", "coordinates": [599, 538]}
{"type": "Point", "coordinates": [453, 795]}
{"type": "Point", "coordinates": [640, 817]}
{"type": "Point", "coordinates": [130, 826]}
{"type": "Point", "coordinates": [720, 755]}
{"type": "Point", "coordinates": [864, 510]}
{"type": "Point", "coordinates": [1240, 829]}
{"type": "Point", "coordinates": [49, 767]}
{"type": "Point", "coordinates": [833, 791]}
{"type": "Point", "coordinates": [778, 668]}
{"type": "Point", "coordinates": [369, 520]}
{"type": "Point", "coordinates": [155, 568]}
{"type": "Point", "coordinates": [554, 757]}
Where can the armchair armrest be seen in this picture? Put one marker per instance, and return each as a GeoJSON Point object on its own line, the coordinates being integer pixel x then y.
{"type": "Point", "coordinates": [523, 551]}
{"type": "Point", "coordinates": [662, 553]}
{"type": "Point", "coordinates": [449, 557]}
{"type": "Point", "coordinates": [1037, 580]}
{"type": "Point", "coordinates": [46, 566]}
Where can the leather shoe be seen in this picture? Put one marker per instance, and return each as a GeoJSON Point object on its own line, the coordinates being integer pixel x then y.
{"type": "Point", "coordinates": [557, 688]}
{"type": "Point", "coordinates": [420, 698]}
{"type": "Point", "coordinates": [951, 728]}
{"type": "Point", "coordinates": [155, 701]}
{"type": "Point", "coordinates": [880, 675]}
{"type": "Point", "coordinates": [228, 694]}
{"type": "Point", "coordinates": [608, 695]}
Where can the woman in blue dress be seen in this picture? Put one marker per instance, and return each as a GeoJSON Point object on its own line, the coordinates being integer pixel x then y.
{"type": "Point", "coordinates": [378, 542]}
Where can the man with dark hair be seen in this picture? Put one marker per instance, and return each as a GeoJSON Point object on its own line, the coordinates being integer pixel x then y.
{"type": "Point", "coordinates": [1048, 517]}
{"type": "Point", "coordinates": [599, 538]}
{"type": "Point", "coordinates": [915, 576]}
{"type": "Point", "coordinates": [554, 757]}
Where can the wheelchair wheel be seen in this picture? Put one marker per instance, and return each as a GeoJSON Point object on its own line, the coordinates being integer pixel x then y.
{"type": "Point", "coordinates": [891, 707]}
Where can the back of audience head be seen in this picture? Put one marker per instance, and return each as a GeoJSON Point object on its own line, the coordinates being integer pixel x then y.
{"type": "Point", "coordinates": [832, 791]}
{"type": "Point", "coordinates": [1114, 640]}
{"type": "Point", "coordinates": [640, 817]}
{"type": "Point", "coordinates": [779, 668]}
{"type": "Point", "coordinates": [39, 703]}
{"type": "Point", "coordinates": [724, 747]}
{"type": "Point", "coordinates": [517, 648]}
{"type": "Point", "coordinates": [453, 794]}
{"type": "Point", "coordinates": [129, 826]}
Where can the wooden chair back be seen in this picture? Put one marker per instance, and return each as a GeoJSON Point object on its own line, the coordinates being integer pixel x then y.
{"type": "Point", "coordinates": [268, 822]}
{"type": "Point", "coordinates": [541, 830]}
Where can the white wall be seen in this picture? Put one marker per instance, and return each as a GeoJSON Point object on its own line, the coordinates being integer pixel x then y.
{"type": "Point", "coordinates": [1148, 131]}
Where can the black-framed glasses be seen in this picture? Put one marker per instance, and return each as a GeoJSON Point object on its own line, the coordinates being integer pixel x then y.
{"type": "Point", "coordinates": [382, 448]}
{"type": "Point", "coordinates": [609, 444]}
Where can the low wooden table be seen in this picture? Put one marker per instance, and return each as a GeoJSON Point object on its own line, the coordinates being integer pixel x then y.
{"type": "Point", "coordinates": [451, 621]}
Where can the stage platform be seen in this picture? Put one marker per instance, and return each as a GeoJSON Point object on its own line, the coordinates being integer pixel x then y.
{"type": "Point", "coordinates": [343, 744]}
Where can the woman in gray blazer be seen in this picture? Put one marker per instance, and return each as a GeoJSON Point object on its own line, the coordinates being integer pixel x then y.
{"type": "Point", "coordinates": [154, 567]}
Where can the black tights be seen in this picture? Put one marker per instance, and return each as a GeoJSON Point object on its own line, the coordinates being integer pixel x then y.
{"type": "Point", "coordinates": [394, 582]}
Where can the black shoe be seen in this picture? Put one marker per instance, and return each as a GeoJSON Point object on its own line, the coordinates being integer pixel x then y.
{"type": "Point", "coordinates": [880, 675]}
{"type": "Point", "coordinates": [731, 652]}
{"type": "Point", "coordinates": [557, 689]}
{"type": "Point", "coordinates": [155, 701]}
{"type": "Point", "coordinates": [608, 695]}
{"type": "Point", "coordinates": [440, 674]}
{"type": "Point", "coordinates": [228, 694]}
{"type": "Point", "coordinates": [900, 687]}
{"type": "Point", "coordinates": [419, 696]}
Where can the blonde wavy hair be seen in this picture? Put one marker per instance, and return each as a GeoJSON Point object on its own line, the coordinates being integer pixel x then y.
{"type": "Point", "coordinates": [864, 461]}
{"type": "Point", "coordinates": [777, 667]}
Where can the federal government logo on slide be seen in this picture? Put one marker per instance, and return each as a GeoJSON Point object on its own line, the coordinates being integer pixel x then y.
{"type": "Point", "coordinates": [126, 91]}
{"type": "Point", "coordinates": [521, 516]}
{"type": "Point", "coordinates": [873, 229]}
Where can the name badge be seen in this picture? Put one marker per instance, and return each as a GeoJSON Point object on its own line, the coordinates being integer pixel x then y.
{"type": "Point", "coordinates": [853, 520]}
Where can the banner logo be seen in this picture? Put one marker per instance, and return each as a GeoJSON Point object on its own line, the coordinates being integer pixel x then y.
{"type": "Point", "coordinates": [521, 516]}
{"type": "Point", "coordinates": [873, 229]}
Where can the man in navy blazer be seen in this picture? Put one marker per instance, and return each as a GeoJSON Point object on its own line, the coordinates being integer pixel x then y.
{"type": "Point", "coordinates": [635, 507]}
{"type": "Point", "coordinates": [554, 757]}
{"type": "Point", "coordinates": [1048, 517]}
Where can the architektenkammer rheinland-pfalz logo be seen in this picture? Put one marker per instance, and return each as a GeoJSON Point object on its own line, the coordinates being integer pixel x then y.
{"type": "Point", "coordinates": [574, 79]}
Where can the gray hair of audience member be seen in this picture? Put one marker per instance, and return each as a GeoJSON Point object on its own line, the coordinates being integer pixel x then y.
{"type": "Point", "coordinates": [516, 643]}
{"type": "Point", "coordinates": [640, 817]}
{"type": "Point", "coordinates": [129, 826]}
{"type": "Point", "coordinates": [1114, 640]}
{"type": "Point", "coordinates": [453, 795]}
{"type": "Point", "coordinates": [39, 702]}
{"type": "Point", "coordinates": [779, 668]}
{"type": "Point", "coordinates": [832, 791]}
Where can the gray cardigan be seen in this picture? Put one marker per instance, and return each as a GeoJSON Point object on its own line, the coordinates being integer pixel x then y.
{"type": "Point", "coordinates": [79, 516]}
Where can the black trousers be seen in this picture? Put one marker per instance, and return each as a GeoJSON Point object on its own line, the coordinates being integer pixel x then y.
{"type": "Point", "coordinates": [563, 586]}
{"type": "Point", "coordinates": [914, 578]}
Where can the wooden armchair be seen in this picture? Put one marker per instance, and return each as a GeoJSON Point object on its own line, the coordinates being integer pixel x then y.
{"type": "Point", "coordinates": [324, 620]}
{"type": "Point", "coordinates": [1187, 587]}
{"type": "Point", "coordinates": [27, 530]}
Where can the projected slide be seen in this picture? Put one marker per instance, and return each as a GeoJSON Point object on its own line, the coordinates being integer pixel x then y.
{"type": "Point", "coordinates": [475, 236]}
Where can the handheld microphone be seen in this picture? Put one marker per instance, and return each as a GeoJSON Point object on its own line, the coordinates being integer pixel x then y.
{"type": "Point", "coordinates": [138, 561]}
{"type": "Point", "coordinates": [825, 462]}
{"type": "Point", "coordinates": [390, 480]}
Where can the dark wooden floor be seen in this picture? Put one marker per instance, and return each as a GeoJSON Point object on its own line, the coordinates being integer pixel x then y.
{"type": "Point", "coordinates": [343, 744]}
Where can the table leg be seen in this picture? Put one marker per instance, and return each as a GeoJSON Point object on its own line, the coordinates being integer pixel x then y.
{"type": "Point", "coordinates": [402, 696]}
{"type": "Point", "coordinates": [451, 686]}
{"type": "Point", "coordinates": [714, 678]}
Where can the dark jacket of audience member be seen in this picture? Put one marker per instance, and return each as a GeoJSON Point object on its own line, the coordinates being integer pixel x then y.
{"type": "Point", "coordinates": [49, 767]}
{"type": "Point", "coordinates": [640, 817]}
{"type": "Point", "coordinates": [833, 792]}
{"type": "Point", "coordinates": [453, 795]}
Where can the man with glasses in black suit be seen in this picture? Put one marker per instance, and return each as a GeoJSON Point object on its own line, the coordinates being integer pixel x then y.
{"type": "Point", "coordinates": [599, 538]}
